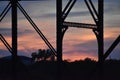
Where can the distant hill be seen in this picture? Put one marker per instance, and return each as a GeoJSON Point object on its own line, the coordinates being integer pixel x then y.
{"type": "Point", "coordinates": [25, 60]}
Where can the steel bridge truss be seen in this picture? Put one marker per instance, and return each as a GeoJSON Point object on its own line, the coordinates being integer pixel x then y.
{"type": "Point", "coordinates": [62, 26]}
{"type": "Point", "coordinates": [14, 4]}
{"type": "Point", "coordinates": [97, 28]}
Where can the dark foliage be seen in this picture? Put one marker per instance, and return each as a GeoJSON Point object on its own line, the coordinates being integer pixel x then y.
{"type": "Point", "coordinates": [47, 70]}
{"type": "Point", "coordinates": [42, 55]}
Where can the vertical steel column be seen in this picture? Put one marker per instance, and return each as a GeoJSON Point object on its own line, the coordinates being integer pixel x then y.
{"type": "Point", "coordinates": [59, 30]}
{"type": "Point", "coordinates": [100, 40]}
{"type": "Point", "coordinates": [14, 27]}
{"type": "Point", "coordinates": [14, 38]}
{"type": "Point", "coordinates": [100, 31]}
{"type": "Point", "coordinates": [59, 38]}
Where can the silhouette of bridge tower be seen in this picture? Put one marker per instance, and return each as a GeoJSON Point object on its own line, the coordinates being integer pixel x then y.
{"type": "Point", "coordinates": [97, 28]}
{"type": "Point", "coordinates": [62, 26]}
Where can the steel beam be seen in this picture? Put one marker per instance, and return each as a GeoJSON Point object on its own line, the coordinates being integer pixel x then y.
{"type": "Point", "coordinates": [100, 30]}
{"type": "Point", "coordinates": [93, 7]}
{"type": "Point", "coordinates": [115, 43]}
{"type": "Point", "coordinates": [98, 17]}
{"type": "Point", "coordinates": [62, 26]}
{"type": "Point", "coordinates": [14, 38]}
{"type": "Point", "coordinates": [14, 26]}
{"type": "Point", "coordinates": [6, 44]}
{"type": "Point", "coordinates": [37, 29]}
{"type": "Point", "coordinates": [67, 9]}
{"type": "Point", "coordinates": [59, 29]}
{"type": "Point", "coordinates": [92, 10]}
{"type": "Point", "coordinates": [80, 25]}
{"type": "Point", "coordinates": [14, 6]}
{"type": "Point", "coordinates": [5, 11]}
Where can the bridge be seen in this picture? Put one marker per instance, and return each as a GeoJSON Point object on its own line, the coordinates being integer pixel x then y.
{"type": "Point", "coordinates": [62, 26]}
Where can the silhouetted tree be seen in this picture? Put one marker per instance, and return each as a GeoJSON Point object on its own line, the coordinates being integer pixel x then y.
{"type": "Point", "coordinates": [43, 55]}
{"type": "Point", "coordinates": [89, 60]}
{"type": "Point", "coordinates": [40, 54]}
{"type": "Point", "coordinates": [34, 56]}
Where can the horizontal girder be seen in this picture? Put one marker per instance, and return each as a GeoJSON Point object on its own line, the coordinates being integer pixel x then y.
{"type": "Point", "coordinates": [79, 25]}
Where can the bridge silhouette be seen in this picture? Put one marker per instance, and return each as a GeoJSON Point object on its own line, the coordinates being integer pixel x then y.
{"type": "Point", "coordinates": [61, 27]}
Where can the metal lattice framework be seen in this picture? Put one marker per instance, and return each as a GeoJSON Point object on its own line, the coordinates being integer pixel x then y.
{"type": "Point", "coordinates": [14, 5]}
{"type": "Point", "coordinates": [62, 26]}
{"type": "Point", "coordinates": [98, 27]}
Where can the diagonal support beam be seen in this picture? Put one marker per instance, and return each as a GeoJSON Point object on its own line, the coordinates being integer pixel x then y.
{"type": "Point", "coordinates": [5, 11]}
{"type": "Point", "coordinates": [67, 9]}
{"type": "Point", "coordinates": [115, 43]}
{"type": "Point", "coordinates": [92, 10]}
{"type": "Point", "coordinates": [93, 7]}
{"type": "Point", "coordinates": [14, 24]}
{"type": "Point", "coordinates": [37, 29]}
{"type": "Point", "coordinates": [6, 44]}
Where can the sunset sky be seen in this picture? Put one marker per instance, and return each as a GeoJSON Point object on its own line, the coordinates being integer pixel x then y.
{"type": "Point", "coordinates": [78, 43]}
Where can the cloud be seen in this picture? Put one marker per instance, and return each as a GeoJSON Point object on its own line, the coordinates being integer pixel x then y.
{"type": "Point", "coordinates": [88, 47]}
{"type": "Point", "coordinates": [8, 31]}
{"type": "Point", "coordinates": [44, 14]}
{"type": "Point", "coordinates": [112, 13]}
{"type": "Point", "coordinates": [5, 31]}
{"type": "Point", "coordinates": [112, 7]}
{"type": "Point", "coordinates": [80, 48]}
{"type": "Point", "coordinates": [25, 32]}
{"type": "Point", "coordinates": [53, 15]}
{"type": "Point", "coordinates": [78, 13]}
{"type": "Point", "coordinates": [91, 47]}
{"type": "Point", "coordinates": [5, 52]}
